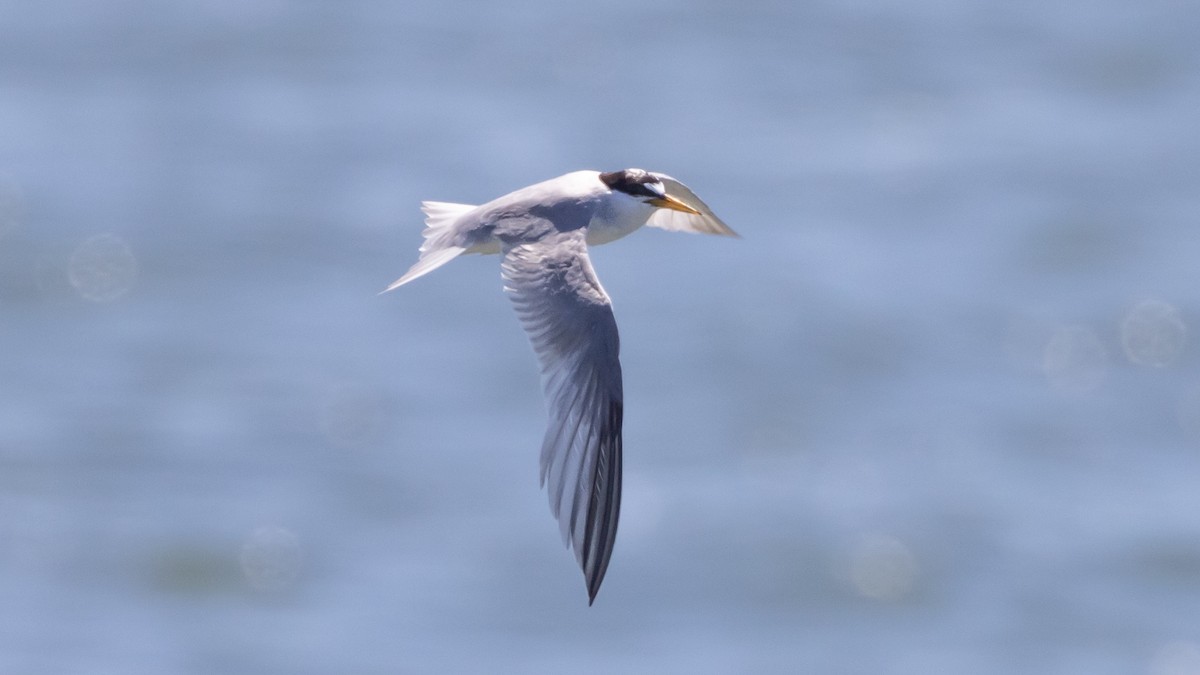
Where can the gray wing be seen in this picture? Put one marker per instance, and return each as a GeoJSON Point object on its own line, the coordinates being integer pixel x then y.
{"type": "Point", "coordinates": [706, 222]}
{"type": "Point", "coordinates": [569, 320]}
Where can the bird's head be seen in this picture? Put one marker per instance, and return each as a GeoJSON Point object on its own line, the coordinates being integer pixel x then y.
{"type": "Point", "coordinates": [644, 187]}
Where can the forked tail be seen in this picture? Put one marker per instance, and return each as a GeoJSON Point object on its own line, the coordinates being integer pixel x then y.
{"type": "Point", "coordinates": [441, 240]}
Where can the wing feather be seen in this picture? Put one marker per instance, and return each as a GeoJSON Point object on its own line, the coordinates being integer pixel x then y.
{"type": "Point", "coordinates": [569, 320]}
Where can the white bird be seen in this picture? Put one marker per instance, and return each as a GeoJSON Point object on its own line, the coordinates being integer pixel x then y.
{"type": "Point", "coordinates": [542, 232]}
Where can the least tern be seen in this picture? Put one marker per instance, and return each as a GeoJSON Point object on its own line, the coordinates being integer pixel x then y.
{"type": "Point", "coordinates": [542, 232]}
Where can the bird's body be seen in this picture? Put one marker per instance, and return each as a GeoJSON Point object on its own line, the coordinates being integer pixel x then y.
{"type": "Point", "coordinates": [543, 232]}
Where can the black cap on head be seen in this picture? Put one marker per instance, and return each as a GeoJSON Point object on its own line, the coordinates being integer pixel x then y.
{"type": "Point", "coordinates": [631, 182]}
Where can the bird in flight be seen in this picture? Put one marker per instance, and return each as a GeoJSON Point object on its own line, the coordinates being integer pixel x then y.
{"type": "Point", "coordinates": [542, 233]}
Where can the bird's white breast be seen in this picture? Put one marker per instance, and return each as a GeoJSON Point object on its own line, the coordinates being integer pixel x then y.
{"type": "Point", "coordinates": [616, 216]}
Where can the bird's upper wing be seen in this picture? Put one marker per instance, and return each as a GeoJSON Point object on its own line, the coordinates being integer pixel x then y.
{"type": "Point", "coordinates": [706, 222]}
{"type": "Point", "coordinates": [569, 320]}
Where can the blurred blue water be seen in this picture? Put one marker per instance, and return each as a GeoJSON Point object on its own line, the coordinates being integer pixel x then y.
{"type": "Point", "coordinates": [938, 411]}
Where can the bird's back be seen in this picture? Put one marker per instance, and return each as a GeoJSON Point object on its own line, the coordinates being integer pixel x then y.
{"type": "Point", "coordinates": [569, 202]}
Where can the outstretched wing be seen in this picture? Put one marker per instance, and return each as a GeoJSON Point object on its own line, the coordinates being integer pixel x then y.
{"type": "Point", "coordinates": [569, 320]}
{"type": "Point", "coordinates": [706, 222]}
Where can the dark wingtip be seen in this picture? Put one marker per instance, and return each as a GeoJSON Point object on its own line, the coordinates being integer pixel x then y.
{"type": "Point", "coordinates": [594, 588]}
{"type": "Point", "coordinates": [604, 509]}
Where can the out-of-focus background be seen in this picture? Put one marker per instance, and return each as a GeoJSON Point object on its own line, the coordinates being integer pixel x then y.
{"type": "Point", "coordinates": [938, 411]}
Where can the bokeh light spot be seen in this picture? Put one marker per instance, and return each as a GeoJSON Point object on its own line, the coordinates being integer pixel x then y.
{"type": "Point", "coordinates": [102, 268]}
{"type": "Point", "coordinates": [1153, 334]}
